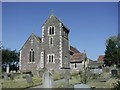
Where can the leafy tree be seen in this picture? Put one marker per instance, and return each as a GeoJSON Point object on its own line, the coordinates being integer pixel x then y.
{"type": "Point", "coordinates": [9, 56]}
{"type": "Point", "coordinates": [117, 85]}
{"type": "Point", "coordinates": [112, 53]}
{"type": "Point", "coordinates": [113, 38]}
{"type": "Point", "coordinates": [109, 53]}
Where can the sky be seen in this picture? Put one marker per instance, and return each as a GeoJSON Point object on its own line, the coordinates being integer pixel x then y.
{"type": "Point", "coordinates": [90, 23]}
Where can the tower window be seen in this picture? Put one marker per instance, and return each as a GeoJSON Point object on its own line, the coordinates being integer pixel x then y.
{"type": "Point", "coordinates": [51, 41]}
{"type": "Point", "coordinates": [51, 58]}
{"type": "Point", "coordinates": [75, 65]}
{"type": "Point", "coordinates": [51, 30]}
{"type": "Point", "coordinates": [65, 34]}
{"type": "Point", "coordinates": [31, 55]}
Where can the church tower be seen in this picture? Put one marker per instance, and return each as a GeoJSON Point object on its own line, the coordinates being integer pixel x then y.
{"type": "Point", "coordinates": [55, 44]}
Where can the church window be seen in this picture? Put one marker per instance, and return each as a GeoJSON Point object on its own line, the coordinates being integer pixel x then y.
{"type": "Point", "coordinates": [31, 55]}
{"type": "Point", "coordinates": [51, 41]}
{"type": "Point", "coordinates": [51, 30]}
{"type": "Point", "coordinates": [31, 40]}
{"type": "Point", "coordinates": [75, 65]}
{"type": "Point", "coordinates": [65, 34]}
{"type": "Point", "coordinates": [51, 58]}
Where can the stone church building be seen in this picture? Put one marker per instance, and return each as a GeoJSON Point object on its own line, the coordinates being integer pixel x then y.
{"type": "Point", "coordinates": [51, 51]}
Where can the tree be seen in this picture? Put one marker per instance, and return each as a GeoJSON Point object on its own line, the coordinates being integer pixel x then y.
{"type": "Point", "coordinates": [113, 38]}
{"type": "Point", "coordinates": [117, 85]}
{"type": "Point", "coordinates": [112, 53]}
{"type": "Point", "coordinates": [9, 56]}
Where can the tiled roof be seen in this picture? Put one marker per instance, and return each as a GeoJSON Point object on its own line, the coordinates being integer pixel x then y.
{"type": "Point", "coordinates": [77, 56]}
{"type": "Point", "coordinates": [101, 58]}
{"type": "Point", "coordinates": [73, 49]}
{"type": "Point", "coordinates": [93, 64]}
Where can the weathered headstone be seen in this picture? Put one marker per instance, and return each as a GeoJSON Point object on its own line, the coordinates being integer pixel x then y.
{"type": "Point", "coordinates": [48, 81]}
{"type": "Point", "coordinates": [5, 75]}
{"type": "Point", "coordinates": [11, 76]}
{"type": "Point", "coordinates": [114, 72]}
{"type": "Point", "coordinates": [66, 73]}
{"type": "Point", "coordinates": [81, 86]}
{"type": "Point", "coordinates": [106, 69]}
{"type": "Point", "coordinates": [7, 69]}
{"type": "Point", "coordinates": [96, 71]}
{"type": "Point", "coordinates": [29, 78]}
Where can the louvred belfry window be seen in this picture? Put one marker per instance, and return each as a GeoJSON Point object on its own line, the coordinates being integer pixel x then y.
{"type": "Point", "coordinates": [51, 58]}
{"type": "Point", "coordinates": [51, 30]}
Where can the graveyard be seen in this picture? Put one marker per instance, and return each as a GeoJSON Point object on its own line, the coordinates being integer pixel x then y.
{"type": "Point", "coordinates": [103, 80]}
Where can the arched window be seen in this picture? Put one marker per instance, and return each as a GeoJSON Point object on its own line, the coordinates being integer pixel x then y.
{"type": "Point", "coordinates": [51, 41]}
{"type": "Point", "coordinates": [51, 58]}
{"type": "Point", "coordinates": [31, 55]}
{"type": "Point", "coordinates": [75, 65]}
{"type": "Point", "coordinates": [51, 30]}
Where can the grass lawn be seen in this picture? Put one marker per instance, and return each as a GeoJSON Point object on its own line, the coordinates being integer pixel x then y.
{"type": "Point", "coordinates": [108, 84]}
{"type": "Point", "coordinates": [92, 83]}
{"type": "Point", "coordinates": [20, 82]}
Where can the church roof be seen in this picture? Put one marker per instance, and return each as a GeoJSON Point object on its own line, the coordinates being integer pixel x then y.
{"type": "Point", "coordinates": [52, 16]}
{"type": "Point", "coordinates": [32, 35]}
{"type": "Point", "coordinates": [93, 64]}
{"type": "Point", "coordinates": [39, 38]}
{"type": "Point", "coordinates": [73, 49]}
{"type": "Point", "coordinates": [77, 56]}
{"type": "Point", "coordinates": [101, 58]}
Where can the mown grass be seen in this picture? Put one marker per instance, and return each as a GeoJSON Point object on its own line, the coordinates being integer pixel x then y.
{"type": "Point", "coordinates": [59, 85]}
{"type": "Point", "coordinates": [20, 82]}
{"type": "Point", "coordinates": [76, 79]}
{"type": "Point", "coordinates": [57, 76]}
{"type": "Point", "coordinates": [108, 84]}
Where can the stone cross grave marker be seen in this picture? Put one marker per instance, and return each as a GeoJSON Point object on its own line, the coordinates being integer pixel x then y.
{"type": "Point", "coordinates": [48, 81]}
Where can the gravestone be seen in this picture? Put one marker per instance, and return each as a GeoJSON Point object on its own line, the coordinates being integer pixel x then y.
{"type": "Point", "coordinates": [48, 81]}
{"type": "Point", "coordinates": [81, 87]}
{"type": "Point", "coordinates": [66, 74]}
{"type": "Point", "coordinates": [114, 72]}
{"type": "Point", "coordinates": [11, 76]}
{"type": "Point", "coordinates": [96, 71]}
{"type": "Point", "coordinates": [106, 69]}
{"type": "Point", "coordinates": [7, 69]}
{"type": "Point", "coordinates": [5, 75]}
{"type": "Point", "coordinates": [29, 78]}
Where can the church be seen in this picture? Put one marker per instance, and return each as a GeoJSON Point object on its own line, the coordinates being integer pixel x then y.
{"type": "Point", "coordinates": [51, 51]}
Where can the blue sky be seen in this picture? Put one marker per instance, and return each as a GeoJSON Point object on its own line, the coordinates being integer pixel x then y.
{"type": "Point", "coordinates": [90, 24]}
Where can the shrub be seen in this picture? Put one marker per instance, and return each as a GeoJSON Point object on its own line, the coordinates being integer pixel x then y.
{"type": "Point", "coordinates": [117, 85]}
